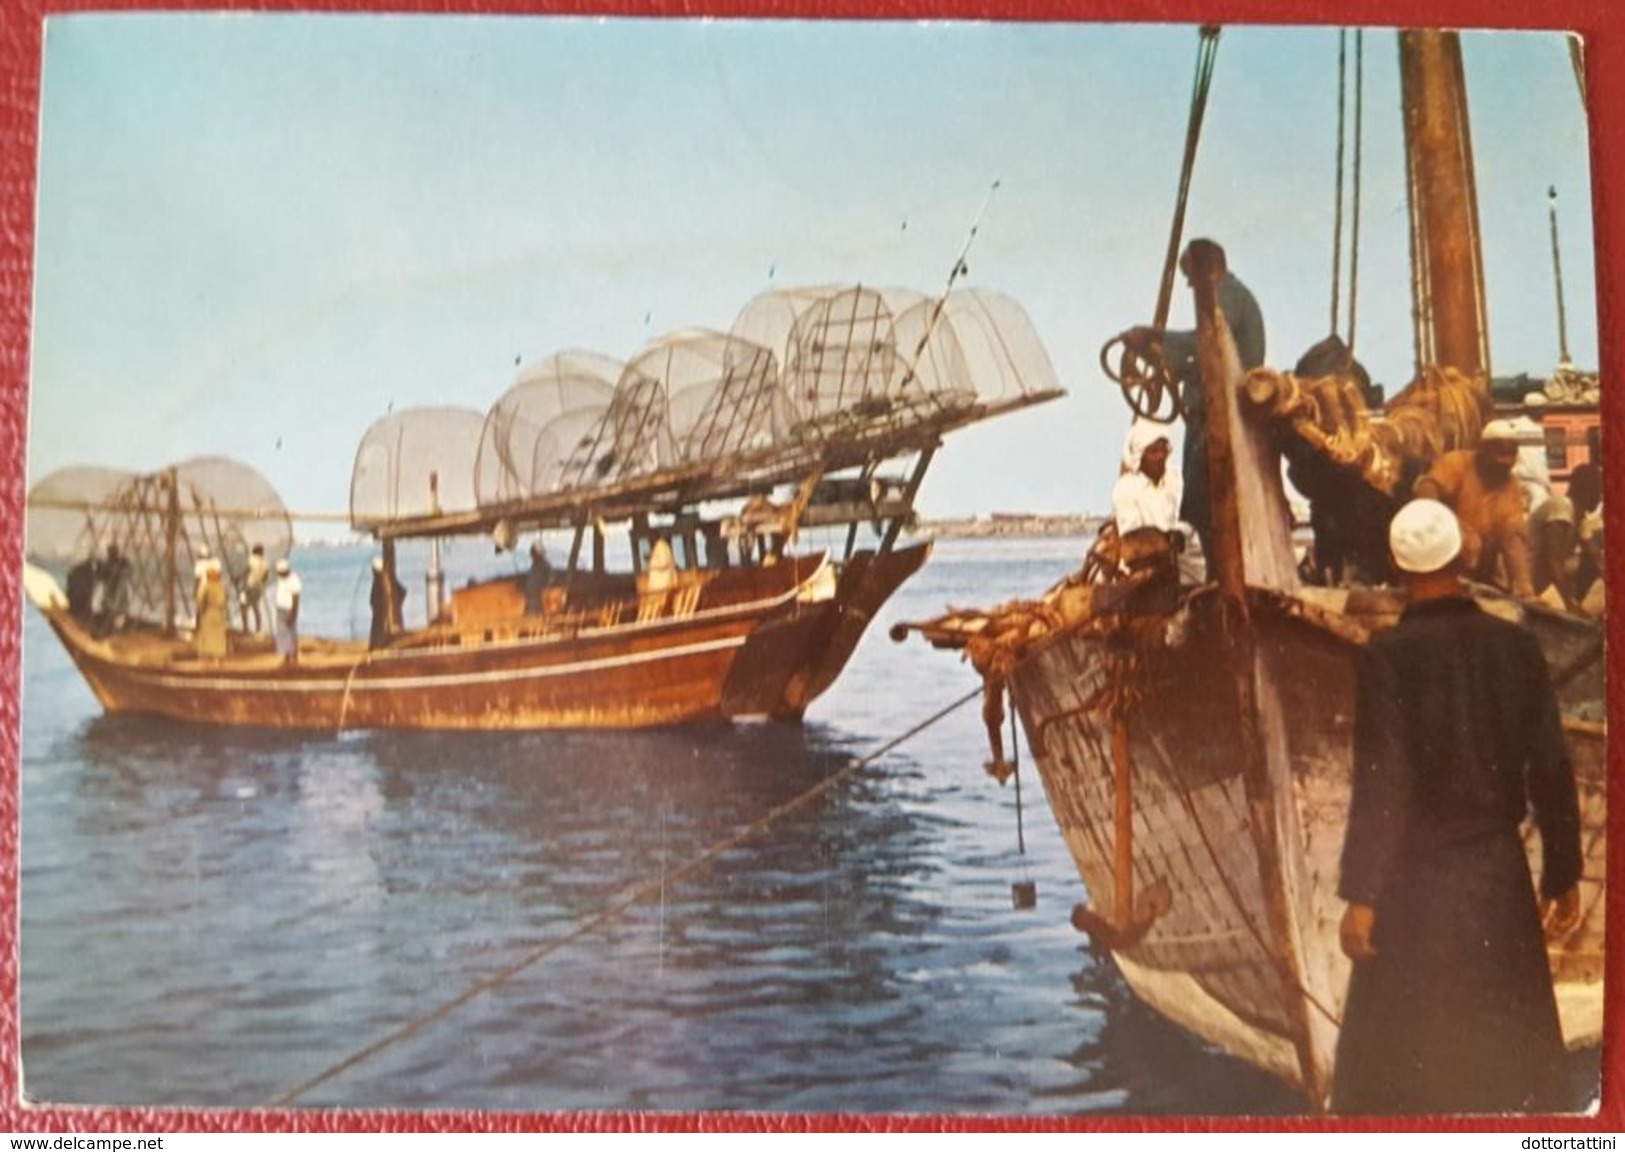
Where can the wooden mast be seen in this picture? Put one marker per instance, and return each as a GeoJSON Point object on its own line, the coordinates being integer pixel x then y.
{"type": "Point", "coordinates": [1448, 274]}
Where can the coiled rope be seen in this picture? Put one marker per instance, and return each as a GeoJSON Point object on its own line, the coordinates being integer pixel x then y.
{"type": "Point", "coordinates": [629, 898]}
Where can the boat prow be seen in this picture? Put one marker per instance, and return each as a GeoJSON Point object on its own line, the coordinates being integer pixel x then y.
{"type": "Point", "coordinates": [42, 589]}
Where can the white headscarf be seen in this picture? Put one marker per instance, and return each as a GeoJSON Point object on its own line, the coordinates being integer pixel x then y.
{"type": "Point", "coordinates": [1141, 435]}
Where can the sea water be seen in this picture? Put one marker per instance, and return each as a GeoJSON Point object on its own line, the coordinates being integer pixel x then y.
{"type": "Point", "coordinates": [217, 916]}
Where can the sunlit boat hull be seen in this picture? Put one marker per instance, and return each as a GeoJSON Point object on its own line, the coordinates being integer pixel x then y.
{"type": "Point", "coordinates": [768, 656]}
{"type": "Point", "coordinates": [1269, 991]}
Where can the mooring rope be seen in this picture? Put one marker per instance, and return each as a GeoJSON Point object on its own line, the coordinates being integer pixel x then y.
{"type": "Point", "coordinates": [628, 898]}
{"type": "Point", "coordinates": [344, 701]}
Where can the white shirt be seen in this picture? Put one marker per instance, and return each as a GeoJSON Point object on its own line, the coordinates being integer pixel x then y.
{"type": "Point", "coordinates": [1532, 471]}
{"type": "Point", "coordinates": [1137, 502]}
{"type": "Point", "coordinates": [288, 589]}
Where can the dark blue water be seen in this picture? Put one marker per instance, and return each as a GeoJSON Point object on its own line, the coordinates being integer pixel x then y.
{"type": "Point", "coordinates": [214, 916]}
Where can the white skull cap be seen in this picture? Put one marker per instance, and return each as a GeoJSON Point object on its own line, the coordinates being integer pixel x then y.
{"type": "Point", "coordinates": [1499, 430]}
{"type": "Point", "coordinates": [1424, 537]}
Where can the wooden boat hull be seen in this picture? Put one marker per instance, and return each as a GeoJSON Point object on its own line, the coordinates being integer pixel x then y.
{"type": "Point", "coordinates": [628, 675]}
{"type": "Point", "coordinates": [1212, 962]}
{"type": "Point", "coordinates": [793, 660]}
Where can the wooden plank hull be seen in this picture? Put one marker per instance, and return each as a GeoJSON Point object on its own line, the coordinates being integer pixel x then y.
{"type": "Point", "coordinates": [632, 675]}
{"type": "Point", "coordinates": [1211, 962]}
{"type": "Point", "coordinates": [790, 662]}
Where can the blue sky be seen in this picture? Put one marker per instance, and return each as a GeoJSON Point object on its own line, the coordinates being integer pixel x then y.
{"type": "Point", "coordinates": [258, 232]}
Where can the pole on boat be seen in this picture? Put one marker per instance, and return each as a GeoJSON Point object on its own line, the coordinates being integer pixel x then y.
{"type": "Point", "coordinates": [960, 268]}
{"type": "Point", "coordinates": [1446, 245]}
{"type": "Point", "coordinates": [172, 528]}
{"type": "Point", "coordinates": [1023, 893]}
{"type": "Point", "coordinates": [1206, 51]}
{"type": "Point", "coordinates": [909, 493]}
{"type": "Point", "coordinates": [434, 583]}
{"type": "Point", "coordinates": [1557, 277]}
{"type": "Point", "coordinates": [575, 546]}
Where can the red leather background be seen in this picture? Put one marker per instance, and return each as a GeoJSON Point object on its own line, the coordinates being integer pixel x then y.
{"type": "Point", "coordinates": [22, 23]}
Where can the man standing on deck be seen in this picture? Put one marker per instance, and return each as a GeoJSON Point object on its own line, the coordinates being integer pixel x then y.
{"type": "Point", "coordinates": [1456, 736]}
{"type": "Point", "coordinates": [387, 599]}
{"type": "Point", "coordinates": [1479, 486]}
{"type": "Point", "coordinates": [289, 590]}
{"type": "Point", "coordinates": [114, 578]}
{"type": "Point", "coordinates": [1204, 260]}
{"type": "Point", "coordinates": [254, 581]}
{"type": "Point", "coordinates": [1533, 470]}
{"type": "Point", "coordinates": [537, 577]}
{"type": "Point", "coordinates": [1555, 560]}
{"type": "Point", "coordinates": [213, 624]}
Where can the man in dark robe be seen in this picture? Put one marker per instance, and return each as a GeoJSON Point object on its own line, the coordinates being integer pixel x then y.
{"type": "Point", "coordinates": [114, 594]}
{"type": "Point", "coordinates": [537, 577]}
{"type": "Point", "coordinates": [1456, 737]}
{"type": "Point", "coordinates": [1204, 259]}
{"type": "Point", "coordinates": [82, 590]}
{"type": "Point", "coordinates": [387, 598]}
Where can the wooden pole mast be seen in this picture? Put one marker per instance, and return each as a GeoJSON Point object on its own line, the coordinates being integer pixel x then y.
{"type": "Point", "coordinates": [1444, 205]}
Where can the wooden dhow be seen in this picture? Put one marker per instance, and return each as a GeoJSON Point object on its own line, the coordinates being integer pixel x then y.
{"type": "Point", "coordinates": [1196, 749]}
{"type": "Point", "coordinates": [713, 454]}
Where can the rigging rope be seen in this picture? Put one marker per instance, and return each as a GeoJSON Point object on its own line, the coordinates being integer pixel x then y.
{"type": "Point", "coordinates": [1354, 224]}
{"type": "Point", "coordinates": [1469, 168]}
{"type": "Point", "coordinates": [1015, 769]}
{"type": "Point", "coordinates": [1141, 373]}
{"type": "Point", "coordinates": [1421, 305]}
{"type": "Point", "coordinates": [1337, 211]}
{"type": "Point", "coordinates": [628, 898]}
{"type": "Point", "coordinates": [1354, 190]}
{"type": "Point", "coordinates": [1206, 53]}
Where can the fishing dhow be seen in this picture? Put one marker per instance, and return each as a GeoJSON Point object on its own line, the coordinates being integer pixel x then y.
{"type": "Point", "coordinates": [712, 452]}
{"type": "Point", "coordinates": [1195, 738]}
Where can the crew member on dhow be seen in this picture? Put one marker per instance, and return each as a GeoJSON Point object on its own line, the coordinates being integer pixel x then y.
{"type": "Point", "coordinates": [1479, 486]}
{"type": "Point", "coordinates": [1204, 260]}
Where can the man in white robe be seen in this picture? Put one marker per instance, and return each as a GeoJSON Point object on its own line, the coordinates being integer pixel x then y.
{"type": "Point", "coordinates": [1148, 493]}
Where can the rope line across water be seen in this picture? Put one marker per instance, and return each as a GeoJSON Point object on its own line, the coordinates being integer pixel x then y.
{"type": "Point", "coordinates": [628, 898]}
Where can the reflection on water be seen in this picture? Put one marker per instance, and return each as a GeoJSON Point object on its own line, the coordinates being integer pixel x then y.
{"type": "Point", "coordinates": [212, 916]}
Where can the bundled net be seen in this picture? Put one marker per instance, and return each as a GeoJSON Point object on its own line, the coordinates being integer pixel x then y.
{"type": "Point", "coordinates": [417, 462]}
{"type": "Point", "coordinates": [853, 356]}
{"type": "Point", "coordinates": [976, 347]}
{"type": "Point", "coordinates": [800, 368]}
{"type": "Point", "coordinates": [538, 428]}
{"type": "Point", "coordinates": [632, 438]}
{"type": "Point", "coordinates": [69, 515]}
{"type": "Point", "coordinates": [159, 525]}
{"type": "Point", "coordinates": [723, 397]}
{"type": "Point", "coordinates": [840, 356]}
{"type": "Point", "coordinates": [1569, 386]}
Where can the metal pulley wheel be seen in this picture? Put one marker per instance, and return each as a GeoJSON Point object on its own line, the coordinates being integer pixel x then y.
{"type": "Point", "coordinates": [1150, 391]}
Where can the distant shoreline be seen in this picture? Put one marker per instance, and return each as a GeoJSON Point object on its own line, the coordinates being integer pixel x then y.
{"type": "Point", "coordinates": [1008, 524]}
{"type": "Point", "coordinates": [988, 526]}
